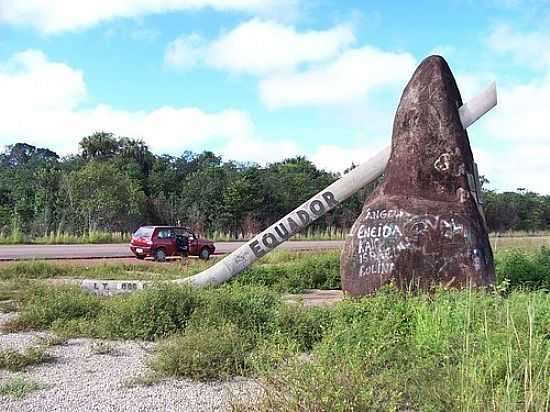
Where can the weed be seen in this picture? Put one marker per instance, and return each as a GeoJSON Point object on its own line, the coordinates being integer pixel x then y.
{"type": "Point", "coordinates": [147, 379]}
{"type": "Point", "coordinates": [16, 361]}
{"type": "Point", "coordinates": [42, 306]}
{"type": "Point", "coordinates": [52, 340]}
{"type": "Point", "coordinates": [204, 353]}
{"type": "Point", "coordinates": [19, 387]}
{"type": "Point", "coordinates": [101, 348]}
{"type": "Point", "coordinates": [149, 314]}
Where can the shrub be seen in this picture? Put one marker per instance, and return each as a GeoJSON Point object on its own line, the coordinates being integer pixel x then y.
{"type": "Point", "coordinates": [149, 314]}
{"type": "Point", "coordinates": [460, 350]}
{"type": "Point", "coordinates": [309, 271]}
{"type": "Point", "coordinates": [43, 306]}
{"type": "Point", "coordinates": [251, 308]}
{"type": "Point", "coordinates": [19, 387]}
{"type": "Point", "coordinates": [524, 269]}
{"type": "Point", "coordinates": [304, 327]}
{"type": "Point", "coordinates": [16, 361]}
{"type": "Point", "coordinates": [204, 353]}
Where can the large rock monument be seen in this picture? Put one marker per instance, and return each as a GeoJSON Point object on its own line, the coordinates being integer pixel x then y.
{"type": "Point", "coordinates": [424, 225]}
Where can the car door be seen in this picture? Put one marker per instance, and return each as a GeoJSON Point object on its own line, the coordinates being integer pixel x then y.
{"type": "Point", "coordinates": [193, 244]}
{"type": "Point", "coordinates": [167, 240]}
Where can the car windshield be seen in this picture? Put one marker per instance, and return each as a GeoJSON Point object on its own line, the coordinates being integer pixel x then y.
{"type": "Point", "coordinates": [144, 232]}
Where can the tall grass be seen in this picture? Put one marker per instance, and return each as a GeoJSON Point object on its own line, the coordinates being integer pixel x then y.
{"type": "Point", "coordinates": [40, 269]}
{"type": "Point", "coordinates": [54, 238]}
{"type": "Point", "coordinates": [460, 351]}
{"type": "Point", "coordinates": [452, 351]}
{"type": "Point", "coordinates": [499, 241]}
{"type": "Point", "coordinates": [311, 233]}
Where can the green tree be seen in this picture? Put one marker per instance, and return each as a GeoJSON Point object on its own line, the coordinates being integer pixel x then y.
{"type": "Point", "coordinates": [100, 145]}
{"type": "Point", "coordinates": [105, 198]}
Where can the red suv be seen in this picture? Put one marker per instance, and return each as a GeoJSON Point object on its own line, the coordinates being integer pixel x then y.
{"type": "Point", "coordinates": [162, 241]}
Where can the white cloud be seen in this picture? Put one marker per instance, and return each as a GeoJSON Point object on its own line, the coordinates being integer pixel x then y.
{"type": "Point", "coordinates": [529, 48]}
{"type": "Point", "coordinates": [337, 159]}
{"type": "Point", "coordinates": [185, 52]}
{"type": "Point", "coordinates": [512, 142]}
{"type": "Point", "coordinates": [40, 104]}
{"type": "Point", "coordinates": [522, 112]}
{"type": "Point", "coordinates": [53, 16]}
{"type": "Point", "coordinates": [351, 76]}
{"type": "Point", "coordinates": [509, 167]}
{"type": "Point", "coordinates": [259, 47]}
{"type": "Point", "coordinates": [29, 81]}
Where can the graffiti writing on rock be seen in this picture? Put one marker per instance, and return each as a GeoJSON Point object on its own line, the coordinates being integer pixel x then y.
{"type": "Point", "coordinates": [385, 234]}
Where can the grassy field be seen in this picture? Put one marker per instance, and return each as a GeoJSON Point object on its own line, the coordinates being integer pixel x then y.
{"type": "Point", "coordinates": [519, 240]}
{"type": "Point", "coordinates": [449, 350]}
{"type": "Point", "coordinates": [526, 240]}
{"type": "Point", "coordinates": [458, 350]}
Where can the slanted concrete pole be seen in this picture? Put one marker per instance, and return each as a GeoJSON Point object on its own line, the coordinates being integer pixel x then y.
{"type": "Point", "coordinates": [320, 204]}
{"type": "Point", "coordinates": [292, 223]}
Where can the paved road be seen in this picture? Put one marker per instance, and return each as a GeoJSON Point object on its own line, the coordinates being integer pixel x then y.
{"type": "Point", "coordinates": [27, 252]}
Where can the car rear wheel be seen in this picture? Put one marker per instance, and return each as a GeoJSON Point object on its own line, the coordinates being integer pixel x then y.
{"type": "Point", "coordinates": [205, 254]}
{"type": "Point", "coordinates": [160, 255]}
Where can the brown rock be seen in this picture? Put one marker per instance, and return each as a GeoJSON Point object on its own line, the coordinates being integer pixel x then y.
{"type": "Point", "coordinates": [423, 226]}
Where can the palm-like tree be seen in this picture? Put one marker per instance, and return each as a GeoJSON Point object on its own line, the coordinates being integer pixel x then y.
{"type": "Point", "coordinates": [100, 145]}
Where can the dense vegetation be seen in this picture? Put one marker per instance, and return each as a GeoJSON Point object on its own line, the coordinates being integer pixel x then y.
{"type": "Point", "coordinates": [456, 350]}
{"type": "Point", "coordinates": [448, 350]}
{"type": "Point", "coordinates": [116, 184]}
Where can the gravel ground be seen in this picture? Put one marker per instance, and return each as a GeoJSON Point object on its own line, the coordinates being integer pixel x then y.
{"type": "Point", "coordinates": [79, 380]}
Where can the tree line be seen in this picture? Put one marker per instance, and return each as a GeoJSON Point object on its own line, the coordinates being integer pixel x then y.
{"type": "Point", "coordinates": [117, 184]}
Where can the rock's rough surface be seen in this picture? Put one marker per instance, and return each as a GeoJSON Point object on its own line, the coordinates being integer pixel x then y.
{"type": "Point", "coordinates": [423, 225]}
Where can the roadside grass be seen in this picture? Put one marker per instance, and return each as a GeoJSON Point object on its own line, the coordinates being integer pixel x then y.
{"type": "Point", "coordinates": [19, 387]}
{"type": "Point", "coordinates": [13, 290]}
{"type": "Point", "coordinates": [294, 272]}
{"type": "Point", "coordinates": [452, 350]}
{"type": "Point", "coordinates": [209, 352]}
{"type": "Point", "coordinates": [40, 269]}
{"type": "Point", "coordinates": [13, 360]}
{"type": "Point", "coordinates": [280, 271]}
{"type": "Point", "coordinates": [461, 350]}
{"type": "Point", "coordinates": [524, 241]}
{"type": "Point", "coordinates": [54, 238]}
{"type": "Point", "coordinates": [521, 239]}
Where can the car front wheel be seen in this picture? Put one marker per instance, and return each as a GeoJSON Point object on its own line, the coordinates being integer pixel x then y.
{"type": "Point", "coordinates": [205, 254]}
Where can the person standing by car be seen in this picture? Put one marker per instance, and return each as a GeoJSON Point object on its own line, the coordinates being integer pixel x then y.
{"type": "Point", "coordinates": [182, 244]}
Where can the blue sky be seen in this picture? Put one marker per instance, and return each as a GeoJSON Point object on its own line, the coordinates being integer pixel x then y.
{"type": "Point", "coordinates": [261, 80]}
